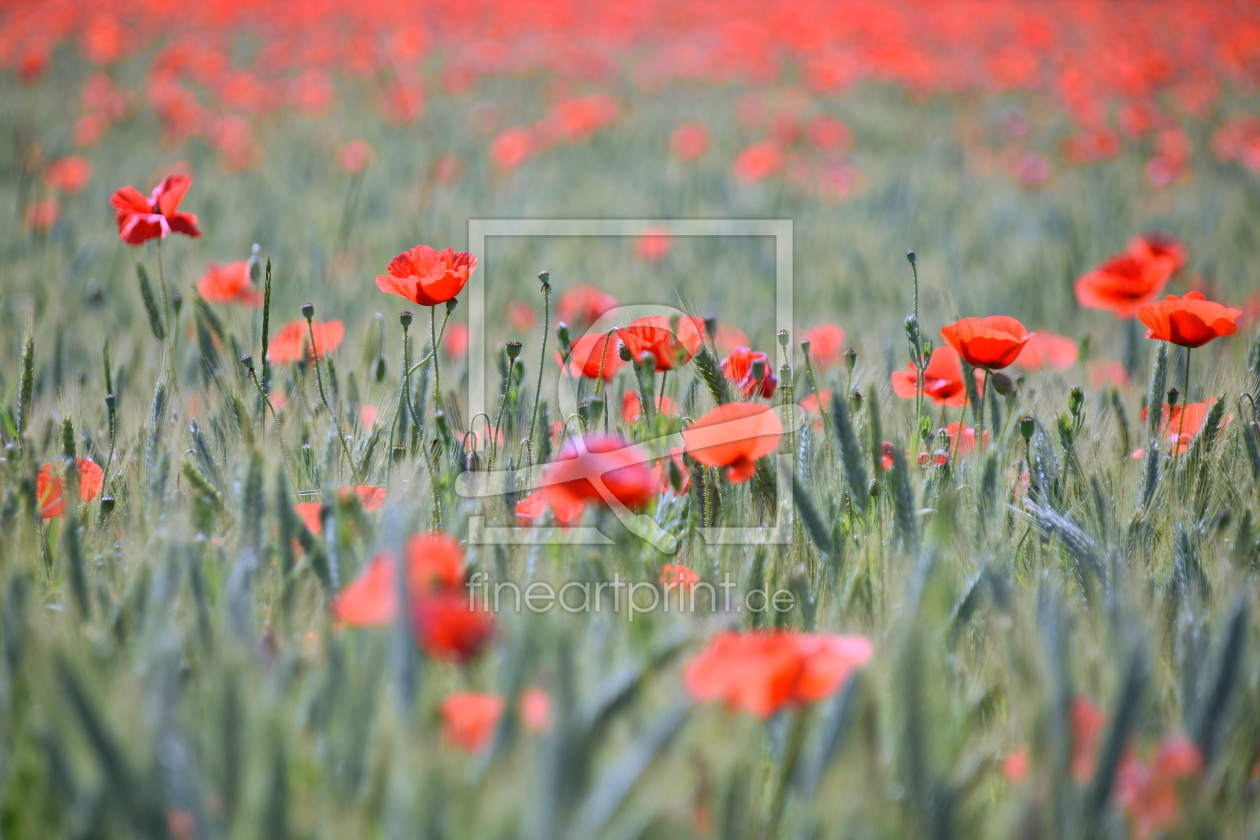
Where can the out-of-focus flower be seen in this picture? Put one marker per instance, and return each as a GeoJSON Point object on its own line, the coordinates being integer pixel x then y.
{"type": "Point", "coordinates": [426, 276]}
{"type": "Point", "coordinates": [469, 719]}
{"type": "Point", "coordinates": [455, 342]}
{"type": "Point", "coordinates": [290, 342]}
{"type": "Point", "coordinates": [512, 148]}
{"type": "Point", "coordinates": [826, 344]}
{"type": "Point", "coordinates": [229, 284]}
{"type": "Point", "coordinates": [522, 316]}
{"type": "Point", "coordinates": [632, 406]}
{"type": "Point", "coordinates": [582, 305]}
{"type": "Point", "coordinates": [758, 162]}
{"type": "Point", "coordinates": [1047, 350]}
{"type": "Point", "coordinates": [1123, 283]}
{"type": "Point", "coordinates": [942, 379]}
{"type": "Point", "coordinates": [734, 436]}
{"type": "Point", "coordinates": [42, 215]}
{"type": "Point", "coordinates": [689, 141]}
{"type": "Point", "coordinates": [68, 174]}
{"type": "Point", "coordinates": [1103, 371]}
{"type": "Point", "coordinates": [762, 672]}
{"type": "Point", "coordinates": [595, 469]}
{"type": "Point", "coordinates": [50, 487]}
{"type": "Point", "coordinates": [593, 355]}
{"type": "Point", "coordinates": [652, 244]}
{"type": "Point", "coordinates": [354, 156]}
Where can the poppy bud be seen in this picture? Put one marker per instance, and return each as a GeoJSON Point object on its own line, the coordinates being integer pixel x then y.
{"type": "Point", "coordinates": [649, 363]}
{"type": "Point", "coordinates": [1002, 383]}
{"type": "Point", "coordinates": [783, 340]}
{"type": "Point", "coordinates": [107, 505]}
{"type": "Point", "coordinates": [855, 399]}
{"type": "Point", "coordinates": [850, 359]}
{"type": "Point", "coordinates": [255, 265]}
{"type": "Point", "coordinates": [595, 409]}
{"type": "Point", "coordinates": [912, 329]}
{"type": "Point", "coordinates": [472, 461]}
{"type": "Point", "coordinates": [95, 294]}
{"type": "Point", "coordinates": [1075, 400]}
{"type": "Point", "coordinates": [1027, 425]}
{"type": "Point", "coordinates": [248, 361]}
{"type": "Point", "coordinates": [562, 333]}
{"type": "Point", "coordinates": [439, 419]}
{"type": "Point", "coordinates": [925, 428]}
{"type": "Point", "coordinates": [451, 304]}
{"type": "Point", "coordinates": [308, 311]}
{"type": "Point", "coordinates": [910, 255]}
{"type": "Point", "coordinates": [177, 301]}
{"type": "Point", "coordinates": [110, 401]}
{"type": "Point", "coordinates": [624, 352]}
{"type": "Point", "coordinates": [759, 369]}
{"type": "Point", "coordinates": [378, 369]}
{"type": "Point", "coordinates": [400, 452]}
{"type": "Point", "coordinates": [1173, 396]}
{"type": "Point", "coordinates": [675, 475]}
{"type": "Point", "coordinates": [513, 349]}
{"type": "Point", "coordinates": [544, 277]}
{"type": "Point", "coordinates": [805, 345]}
{"type": "Point", "coordinates": [710, 325]}
{"type": "Point", "coordinates": [404, 318]}
{"type": "Point", "coordinates": [873, 489]}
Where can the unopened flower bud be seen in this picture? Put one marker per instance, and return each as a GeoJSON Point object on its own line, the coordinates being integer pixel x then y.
{"type": "Point", "coordinates": [759, 370]}
{"type": "Point", "coordinates": [710, 325]}
{"type": "Point", "coordinates": [1002, 383]}
{"type": "Point", "coordinates": [110, 401]}
{"type": "Point", "coordinates": [1173, 396]}
{"type": "Point", "coordinates": [513, 349]}
{"type": "Point", "coordinates": [855, 399]}
{"type": "Point", "coordinates": [404, 318]}
{"type": "Point", "coordinates": [1027, 425]}
{"type": "Point", "coordinates": [400, 452]}
{"type": "Point", "coordinates": [248, 361]}
{"type": "Point", "coordinates": [850, 359]}
{"type": "Point", "coordinates": [177, 301]}
{"type": "Point", "coordinates": [562, 333]}
{"type": "Point", "coordinates": [379, 368]}
{"type": "Point", "coordinates": [107, 505]}
{"type": "Point", "coordinates": [624, 352]}
{"type": "Point", "coordinates": [912, 329]}
{"type": "Point", "coordinates": [308, 311]}
{"type": "Point", "coordinates": [910, 255]}
{"type": "Point", "coordinates": [451, 304]}
{"type": "Point", "coordinates": [1075, 400]}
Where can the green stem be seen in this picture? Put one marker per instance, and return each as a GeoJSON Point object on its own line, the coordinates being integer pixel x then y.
{"type": "Point", "coordinates": [542, 357]}
{"type": "Point", "coordinates": [984, 395]}
{"type": "Point", "coordinates": [437, 372]}
{"type": "Point", "coordinates": [319, 381]}
{"type": "Point", "coordinates": [494, 440]}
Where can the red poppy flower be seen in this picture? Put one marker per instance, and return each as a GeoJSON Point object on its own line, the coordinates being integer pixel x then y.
{"type": "Point", "coordinates": [993, 342]}
{"type": "Point", "coordinates": [1189, 321]}
{"type": "Point", "coordinates": [1047, 350]}
{"type": "Point", "coordinates": [652, 245]}
{"type": "Point", "coordinates": [758, 162]}
{"type": "Point", "coordinates": [571, 481]}
{"type": "Point", "coordinates": [451, 626]}
{"type": "Point", "coordinates": [1149, 793]}
{"type": "Point", "coordinates": [68, 174]}
{"type": "Point", "coordinates": [1183, 423]}
{"type": "Point", "coordinates": [469, 719]}
{"type": "Point", "coordinates": [678, 577]}
{"type": "Point", "coordinates": [886, 459]}
{"type": "Point", "coordinates": [522, 316]}
{"type": "Point", "coordinates": [435, 564]}
{"type": "Point", "coordinates": [229, 284]}
{"type": "Point", "coordinates": [1087, 729]}
{"type": "Point", "coordinates": [826, 344]}
{"type": "Point", "coordinates": [531, 508]}
{"type": "Point", "coordinates": [763, 672]}
{"type": "Point", "coordinates": [655, 335]}
{"type": "Point", "coordinates": [1160, 246]}
{"type": "Point", "coordinates": [1015, 766]}
{"type": "Point", "coordinates": [660, 472]}
{"type": "Point", "coordinates": [632, 407]}
{"type": "Point", "coordinates": [582, 305]}
{"type": "Point", "coordinates": [942, 380]}
{"type": "Point", "coordinates": [734, 436]}
{"type": "Point", "coordinates": [968, 442]}
{"type": "Point", "coordinates": [426, 276]}
{"type": "Point", "coordinates": [50, 489]}
{"type": "Point", "coordinates": [455, 342]}
{"type": "Point", "coordinates": [535, 709]}
{"type": "Point", "coordinates": [1123, 283]}
{"type": "Point", "coordinates": [1102, 371]}
{"type": "Point", "coordinates": [689, 141]}
{"type": "Point", "coordinates": [141, 219]}
{"type": "Point", "coordinates": [728, 338]}
{"type": "Point", "coordinates": [738, 368]}
{"type": "Point", "coordinates": [592, 354]}
{"type": "Point", "coordinates": [290, 343]}
{"type": "Point", "coordinates": [42, 215]}
{"type": "Point", "coordinates": [512, 148]}
{"type": "Point", "coordinates": [815, 403]}
{"type": "Point", "coordinates": [370, 498]}
{"type": "Point", "coordinates": [311, 514]}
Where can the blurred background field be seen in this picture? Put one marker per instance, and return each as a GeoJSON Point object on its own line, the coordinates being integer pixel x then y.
{"type": "Point", "coordinates": [1056, 623]}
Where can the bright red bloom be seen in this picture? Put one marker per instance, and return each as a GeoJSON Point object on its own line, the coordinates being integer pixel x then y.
{"type": "Point", "coordinates": [141, 219]}
{"type": "Point", "coordinates": [450, 626]}
{"type": "Point", "coordinates": [1048, 350]}
{"type": "Point", "coordinates": [469, 719]}
{"type": "Point", "coordinates": [531, 508]}
{"type": "Point", "coordinates": [758, 162]}
{"type": "Point", "coordinates": [535, 709]}
{"type": "Point", "coordinates": [582, 305]}
{"type": "Point", "coordinates": [1160, 246]}
{"type": "Point", "coordinates": [632, 406]}
{"type": "Point", "coordinates": [370, 498]}
{"type": "Point", "coordinates": [734, 436]}
{"type": "Point", "coordinates": [591, 354]}
{"type": "Point", "coordinates": [1183, 423]}
{"type": "Point", "coordinates": [738, 368]}
{"type": "Point", "coordinates": [585, 463]}
{"type": "Point", "coordinates": [1123, 283]}
{"type": "Point", "coordinates": [290, 343]}
{"type": "Point", "coordinates": [886, 460]}
{"type": "Point", "coordinates": [312, 515]}
{"type": "Point", "coordinates": [826, 344]}
{"type": "Point", "coordinates": [68, 174]}
{"type": "Point", "coordinates": [968, 442]}
{"type": "Point", "coordinates": [50, 489]}
{"type": "Point", "coordinates": [229, 284]}
{"type": "Point", "coordinates": [426, 276]}
{"type": "Point", "coordinates": [654, 334]}
{"type": "Point", "coordinates": [689, 141]}
{"type": "Point", "coordinates": [435, 564]}
{"type": "Point", "coordinates": [993, 342]}
{"type": "Point", "coordinates": [942, 380]}
{"type": "Point", "coordinates": [763, 672]}
{"type": "Point", "coordinates": [1189, 321]}
{"type": "Point", "coordinates": [354, 156]}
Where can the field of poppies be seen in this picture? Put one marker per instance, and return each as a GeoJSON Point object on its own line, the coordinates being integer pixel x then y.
{"type": "Point", "coordinates": [848, 426]}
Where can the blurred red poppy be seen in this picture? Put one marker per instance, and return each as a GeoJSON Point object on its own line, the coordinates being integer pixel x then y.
{"type": "Point", "coordinates": [1189, 321]}
{"type": "Point", "coordinates": [521, 316]}
{"type": "Point", "coordinates": [1102, 371]}
{"type": "Point", "coordinates": [689, 141]}
{"type": "Point", "coordinates": [1158, 245]}
{"type": "Point", "coordinates": [229, 284]}
{"type": "Point", "coordinates": [512, 148]}
{"type": "Point", "coordinates": [739, 369]}
{"type": "Point", "coordinates": [826, 345]}
{"type": "Point", "coordinates": [354, 157]}
{"type": "Point", "coordinates": [1047, 350]}
{"type": "Point", "coordinates": [141, 219]}
{"type": "Point", "coordinates": [570, 481]}
{"type": "Point", "coordinates": [50, 488]}
{"type": "Point", "coordinates": [762, 672]}
{"type": "Point", "coordinates": [652, 245]}
{"type": "Point", "coordinates": [655, 334]}
{"type": "Point", "coordinates": [290, 342]}
{"type": "Point", "coordinates": [426, 276]}
{"type": "Point", "coordinates": [758, 162]}
{"type": "Point", "coordinates": [632, 406]}
{"type": "Point", "coordinates": [582, 305]}
{"type": "Point", "coordinates": [1180, 425]}
{"type": "Point", "coordinates": [469, 719]}
{"type": "Point", "coordinates": [42, 215]}
{"type": "Point", "coordinates": [734, 436]}
{"type": "Point", "coordinates": [593, 354]}
{"type": "Point", "coordinates": [942, 380]}
{"type": "Point", "coordinates": [435, 563]}
{"type": "Point", "coordinates": [728, 338]}
{"type": "Point", "coordinates": [1148, 793]}
{"type": "Point", "coordinates": [993, 342]}
{"type": "Point", "coordinates": [455, 342]}
{"type": "Point", "coordinates": [68, 174]}
{"type": "Point", "coordinates": [1123, 283]}
{"type": "Point", "coordinates": [968, 442]}
{"type": "Point", "coordinates": [678, 577]}
{"type": "Point", "coordinates": [450, 626]}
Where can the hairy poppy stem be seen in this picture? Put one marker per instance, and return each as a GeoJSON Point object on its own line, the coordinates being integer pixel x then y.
{"type": "Point", "coordinates": [962, 418]}
{"type": "Point", "coordinates": [1185, 404]}
{"type": "Point", "coordinates": [284, 450]}
{"type": "Point", "coordinates": [437, 372]}
{"type": "Point", "coordinates": [984, 395]}
{"type": "Point", "coordinates": [507, 387]}
{"type": "Point", "coordinates": [166, 301]}
{"type": "Point", "coordinates": [402, 395]}
{"type": "Point", "coordinates": [545, 277]}
{"type": "Point", "coordinates": [319, 382]}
